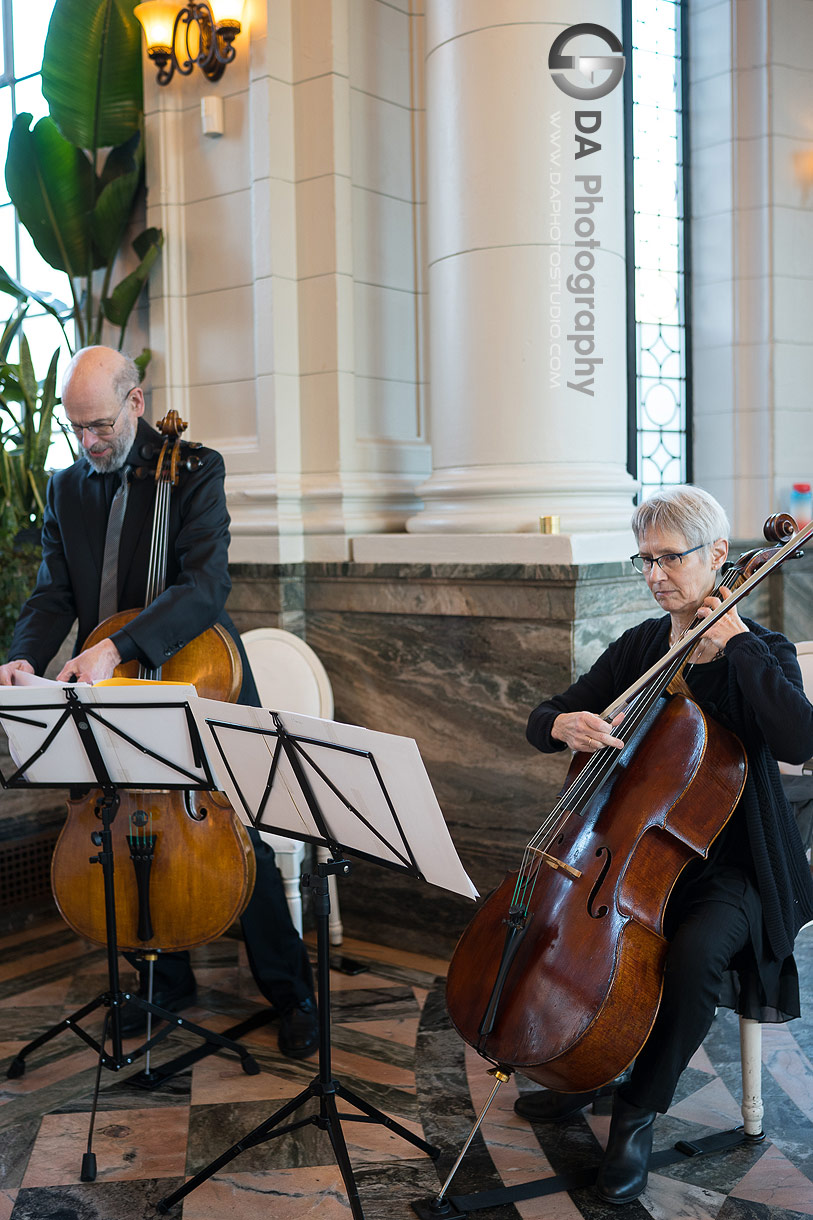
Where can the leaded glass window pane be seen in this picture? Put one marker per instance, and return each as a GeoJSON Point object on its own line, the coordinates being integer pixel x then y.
{"type": "Point", "coordinates": [658, 281]}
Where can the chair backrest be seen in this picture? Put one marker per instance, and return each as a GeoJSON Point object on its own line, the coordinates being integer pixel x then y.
{"type": "Point", "coordinates": [804, 652]}
{"type": "Point", "coordinates": [289, 675]}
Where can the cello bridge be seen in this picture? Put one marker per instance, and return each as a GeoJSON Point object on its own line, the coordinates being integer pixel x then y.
{"type": "Point", "coordinates": [553, 863]}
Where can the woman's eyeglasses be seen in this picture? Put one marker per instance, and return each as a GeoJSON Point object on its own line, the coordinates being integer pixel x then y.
{"type": "Point", "coordinates": [666, 563]}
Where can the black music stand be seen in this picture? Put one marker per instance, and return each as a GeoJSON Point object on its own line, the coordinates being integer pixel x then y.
{"type": "Point", "coordinates": [50, 726]}
{"type": "Point", "coordinates": [300, 797]}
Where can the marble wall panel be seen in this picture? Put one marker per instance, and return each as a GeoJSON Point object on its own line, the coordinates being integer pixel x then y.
{"type": "Point", "coordinates": [796, 584]}
{"type": "Point", "coordinates": [609, 598]}
{"type": "Point", "coordinates": [499, 591]}
{"type": "Point", "coordinates": [462, 687]}
{"type": "Point", "coordinates": [258, 599]}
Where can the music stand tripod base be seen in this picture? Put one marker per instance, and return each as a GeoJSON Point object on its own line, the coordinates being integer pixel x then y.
{"type": "Point", "coordinates": [80, 716]}
{"type": "Point", "coordinates": [323, 1087]}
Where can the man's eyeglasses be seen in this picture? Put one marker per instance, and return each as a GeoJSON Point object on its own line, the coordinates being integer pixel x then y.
{"type": "Point", "coordinates": [666, 563]}
{"type": "Point", "coordinates": [103, 428]}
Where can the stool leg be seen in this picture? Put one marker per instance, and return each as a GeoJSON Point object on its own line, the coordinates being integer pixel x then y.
{"type": "Point", "coordinates": [751, 1058]}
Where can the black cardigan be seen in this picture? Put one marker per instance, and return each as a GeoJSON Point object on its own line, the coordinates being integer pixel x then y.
{"type": "Point", "coordinates": [772, 717]}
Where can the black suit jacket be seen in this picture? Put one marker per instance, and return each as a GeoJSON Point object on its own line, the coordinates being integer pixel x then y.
{"type": "Point", "coordinates": [73, 535]}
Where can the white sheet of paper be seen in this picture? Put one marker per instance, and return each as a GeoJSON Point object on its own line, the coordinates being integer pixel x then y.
{"type": "Point", "coordinates": [242, 759]}
{"type": "Point", "coordinates": [21, 678]}
{"type": "Point", "coordinates": [162, 730]}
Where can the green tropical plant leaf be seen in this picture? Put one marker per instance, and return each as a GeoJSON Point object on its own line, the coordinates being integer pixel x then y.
{"type": "Point", "coordinates": [12, 327]}
{"type": "Point", "coordinates": [119, 305]}
{"type": "Point", "coordinates": [51, 184]}
{"type": "Point", "coordinates": [48, 400]}
{"type": "Point", "coordinates": [58, 309]}
{"type": "Point", "coordinates": [142, 361]}
{"type": "Point", "coordinates": [28, 385]}
{"type": "Point", "coordinates": [94, 92]}
{"type": "Point", "coordinates": [114, 205]}
{"type": "Point", "coordinates": [24, 441]}
{"type": "Point", "coordinates": [123, 159]}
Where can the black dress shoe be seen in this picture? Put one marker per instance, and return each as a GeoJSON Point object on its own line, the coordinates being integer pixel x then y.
{"type": "Point", "coordinates": [624, 1170]}
{"type": "Point", "coordinates": [175, 999]}
{"type": "Point", "coordinates": [548, 1106]}
{"type": "Point", "coordinates": [299, 1030]}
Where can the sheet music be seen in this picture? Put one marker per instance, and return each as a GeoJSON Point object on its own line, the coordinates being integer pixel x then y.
{"type": "Point", "coordinates": [20, 677]}
{"type": "Point", "coordinates": [241, 743]}
{"type": "Point", "coordinates": [154, 730]}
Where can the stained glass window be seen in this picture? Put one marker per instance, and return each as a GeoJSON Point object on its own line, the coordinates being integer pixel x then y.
{"type": "Point", "coordinates": [657, 245]}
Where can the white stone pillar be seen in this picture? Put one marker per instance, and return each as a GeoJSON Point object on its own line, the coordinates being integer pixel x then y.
{"type": "Point", "coordinates": [511, 440]}
{"type": "Point", "coordinates": [751, 90]}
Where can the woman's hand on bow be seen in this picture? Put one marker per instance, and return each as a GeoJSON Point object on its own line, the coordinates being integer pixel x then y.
{"type": "Point", "coordinates": [585, 731]}
{"type": "Point", "coordinates": [726, 627]}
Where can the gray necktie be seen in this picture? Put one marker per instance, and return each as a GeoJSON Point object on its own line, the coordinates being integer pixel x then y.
{"type": "Point", "coordinates": [109, 589]}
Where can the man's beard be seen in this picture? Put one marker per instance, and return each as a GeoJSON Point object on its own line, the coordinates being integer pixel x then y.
{"type": "Point", "coordinates": [120, 445]}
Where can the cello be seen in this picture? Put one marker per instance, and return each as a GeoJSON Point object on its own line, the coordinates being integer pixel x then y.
{"type": "Point", "coordinates": [559, 974]}
{"type": "Point", "coordinates": [192, 865]}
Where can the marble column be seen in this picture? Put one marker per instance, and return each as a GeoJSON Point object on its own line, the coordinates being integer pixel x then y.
{"type": "Point", "coordinates": [527, 376]}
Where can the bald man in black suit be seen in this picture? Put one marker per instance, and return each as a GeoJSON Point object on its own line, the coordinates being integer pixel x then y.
{"type": "Point", "coordinates": [104, 404]}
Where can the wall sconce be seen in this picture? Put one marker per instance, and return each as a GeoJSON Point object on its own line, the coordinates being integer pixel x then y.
{"type": "Point", "coordinates": [217, 24]}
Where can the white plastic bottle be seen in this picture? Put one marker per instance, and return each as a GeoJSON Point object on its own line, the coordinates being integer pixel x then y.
{"type": "Point", "coordinates": [801, 504]}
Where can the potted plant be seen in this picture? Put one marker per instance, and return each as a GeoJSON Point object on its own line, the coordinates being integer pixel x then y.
{"type": "Point", "coordinates": [74, 177]}
{"type": "Point", "coordinates": [26, 428]}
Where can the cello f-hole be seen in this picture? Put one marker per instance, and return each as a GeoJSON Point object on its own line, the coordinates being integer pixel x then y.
{"type": "Point", "coordinates": [602, 910]}
{"type": "Point", "coordinates": [197, 815]}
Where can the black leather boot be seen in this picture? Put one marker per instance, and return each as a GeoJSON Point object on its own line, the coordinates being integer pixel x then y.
{"type": "Point", "coordinates": [623, 1173]}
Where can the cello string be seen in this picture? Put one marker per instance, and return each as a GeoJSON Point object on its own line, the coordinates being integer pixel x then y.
{"type": "Point", "coordinates": [158, 552]}
{"type": "Point", "coordinates": [162, 538]}
{"type": "Point", "coordinates": [152, 571]}
{"type": "Point", "coordinates": [575, 797]}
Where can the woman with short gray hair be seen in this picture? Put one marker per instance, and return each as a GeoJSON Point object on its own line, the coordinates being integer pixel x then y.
{"type": "Point", "coordinates": [732, 918]}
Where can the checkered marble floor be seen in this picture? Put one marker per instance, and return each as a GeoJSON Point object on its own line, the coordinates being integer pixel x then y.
{"type": "Point", "coordinates": [394, 1047]}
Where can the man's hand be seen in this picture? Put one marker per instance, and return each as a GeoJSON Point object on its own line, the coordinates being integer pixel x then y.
{"type": "Point", "coordinates": [93, 665]}
{"type": "Point", "coordinates": [8, 670]}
